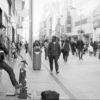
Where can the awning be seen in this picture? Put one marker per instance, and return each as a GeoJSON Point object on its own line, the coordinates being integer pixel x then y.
{"type": "Point", "coordinates": [2, 26]}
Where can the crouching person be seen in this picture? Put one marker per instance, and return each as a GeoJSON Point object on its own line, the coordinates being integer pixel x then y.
{"type": "Point", "coordinates": [7, 68]}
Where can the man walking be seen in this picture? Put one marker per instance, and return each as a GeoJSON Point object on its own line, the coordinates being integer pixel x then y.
{"type": "Point", "coordinates": [54, 53]}
{"type": "Point", "coordinates": [65, 49]}
{"type": "Point", "coordinates": [80, 47]}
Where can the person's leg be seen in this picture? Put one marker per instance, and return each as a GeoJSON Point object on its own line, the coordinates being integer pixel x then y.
{"type": "Point", "coordinates": [56, 64]}
{"type": "Point", "coordinates": [51, 63]}
{"type": "Point", "coordinates": [46, 53]}
{"type": "Point", "coordinates": [66, 56]}
{"type": "Point", "coordinates": [9, 70]}
{"type": "Point", "coordinates": [63, 55]}
{"type": "Point", "coordinates": [81, 54]}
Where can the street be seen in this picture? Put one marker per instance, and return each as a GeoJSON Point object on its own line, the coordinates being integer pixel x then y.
{"type": "Point", "coordinates": [78, 79]}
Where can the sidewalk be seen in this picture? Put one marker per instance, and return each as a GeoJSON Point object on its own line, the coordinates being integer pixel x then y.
{"type": "Point", "coordinates": [80, 79]}
{"type": "Point", "coordinates": [76, 80]}
{"type": "Point", "coordinates": [37, 81]}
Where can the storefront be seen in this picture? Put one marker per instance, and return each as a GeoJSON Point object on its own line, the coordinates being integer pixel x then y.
{"type": "Point", "coordinates": [96, 26]}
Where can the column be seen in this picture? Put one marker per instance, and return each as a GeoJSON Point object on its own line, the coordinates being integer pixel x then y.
{"type": "Point", "coordinates": [31, 28]}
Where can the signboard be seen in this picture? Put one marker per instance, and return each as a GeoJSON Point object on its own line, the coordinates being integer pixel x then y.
{"type": "Point", "coordinates": [96, 23]}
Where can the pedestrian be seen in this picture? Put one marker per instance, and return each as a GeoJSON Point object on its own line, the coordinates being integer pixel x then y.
{"type": "Point", "coordinates": [46, 49]}
{"type": "Point", "coordinates": [73, 47]}
{"type": "Point", "coordinates": [6, 67]}
{"type": "Point", "coordinates": [14, 55]}
{"type": "Point", "coordinates": [26, 47]}
{"type": "Point", "coordinates": [65, 49]}
{"type": "Point", "coordinates": [94, 48]}
{"type": "Point", "coordinates": [99, 49]}
{"type": "Point", "coordinates": [54, 54]}
{"type": "Point", "coordinates": [80, 47]}
{"type": "Point", "coordinates": [18, 48]}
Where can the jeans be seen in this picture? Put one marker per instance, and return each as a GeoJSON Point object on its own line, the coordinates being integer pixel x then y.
{"type": "Point", "coordinates": [51, 63]}
{"type": "Point", "coordinates": [80, 53]}
{"type": "Point", "coordinates": [9, 70]}
{"type": "Point", "coordinates": [65, 55]}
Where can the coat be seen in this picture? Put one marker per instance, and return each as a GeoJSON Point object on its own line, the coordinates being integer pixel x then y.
{"type": "Point", "coordinates": [66, 47]}
{"type": "Point", "coordinates": [54, 49]}
{"type": "Point", "coordinates": [80, 45]}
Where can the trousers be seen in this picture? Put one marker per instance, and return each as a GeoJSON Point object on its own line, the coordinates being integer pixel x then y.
{"type": "Point", "coordinates": [51, 63]}
{"type": "Point", "coordinates": [9, 70]}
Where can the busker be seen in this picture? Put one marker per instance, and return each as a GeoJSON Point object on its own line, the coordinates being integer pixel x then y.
{"type": "Point", "coordinates": [54, 53]}
{"type": "Point", "coordinates": [6, 67]}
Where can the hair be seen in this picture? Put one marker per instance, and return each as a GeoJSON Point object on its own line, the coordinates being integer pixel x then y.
{"type": "Point", "coordinates": [54, 38]}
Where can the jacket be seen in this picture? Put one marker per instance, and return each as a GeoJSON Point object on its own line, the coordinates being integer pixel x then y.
{"type": "Point", "coordinates": [80, 45]}
{"type": "Point", "coordinates": [54, 49]}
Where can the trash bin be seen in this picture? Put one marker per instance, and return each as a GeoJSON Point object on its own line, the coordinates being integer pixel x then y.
{"type": "Point", "coordinates": [36, 58]}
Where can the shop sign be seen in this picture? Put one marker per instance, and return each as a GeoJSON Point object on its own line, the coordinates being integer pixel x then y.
{"type": "Point", "coordinates": [96, 23]}
{"type": "Point", "coordinates": [81, 22]}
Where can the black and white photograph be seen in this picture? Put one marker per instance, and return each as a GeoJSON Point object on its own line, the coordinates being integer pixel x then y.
{"type": "Point", "coordinates": [49, 49]}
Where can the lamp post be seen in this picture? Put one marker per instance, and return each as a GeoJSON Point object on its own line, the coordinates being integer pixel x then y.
{"type": "Point", "coordinates": [31, 27]}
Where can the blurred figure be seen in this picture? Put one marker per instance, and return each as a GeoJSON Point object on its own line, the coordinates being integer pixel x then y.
{"type": "Point", "coordinates": [80, 47]}
{"type": "Point", "coordinates": [54, 53]}
{"type": "Point", "coordinates": [46, 48]}
{"type": "Point", "coordinates": [36, 43]}
{"type": "Point", "coordinates": [65, 50]}
{"type": "Point", "coordinates": [99, 49]}
{"type": "Point", "coordinates": [26, 47]}
{"type": "Point", "coordinates": [94, 48]}
{"type": "Point", "coordinates": [90, 49]}
{"type": "Point", "coordinates": [73, 47]}
{"type": "Point", "coordinates": [14, 50]}
{"type": "Point", "coordinates": [18, 47]}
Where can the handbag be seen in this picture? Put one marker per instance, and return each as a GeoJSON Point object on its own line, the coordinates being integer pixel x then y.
{"type": "Point", "coordinates": [49, 95]}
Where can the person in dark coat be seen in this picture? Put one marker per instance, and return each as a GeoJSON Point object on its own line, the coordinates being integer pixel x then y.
{"type": "Point", "coordinates": [54, 53]}
{"type": "Point", "coordinates": [26, 47]}
{"type": "Point", "coordinates": [65, 49]}
{"type": "Point", "coordinates": [73, 47]}
{"type": "Point", "coordinates": [80, 47]}
{"type": "Point", "coordinates": [94, 48]}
